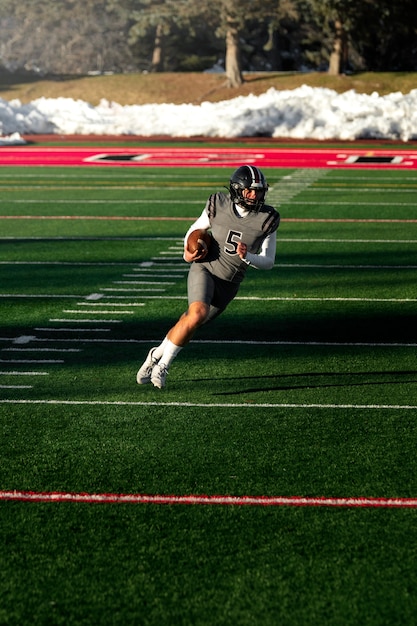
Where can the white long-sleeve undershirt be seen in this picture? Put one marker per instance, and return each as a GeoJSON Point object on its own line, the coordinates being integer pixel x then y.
{"type": "Point", "coordinates": [263, 261]}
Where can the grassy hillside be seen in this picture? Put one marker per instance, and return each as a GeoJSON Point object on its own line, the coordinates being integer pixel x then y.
{"type": "Point", "coordinates": [192, 87]}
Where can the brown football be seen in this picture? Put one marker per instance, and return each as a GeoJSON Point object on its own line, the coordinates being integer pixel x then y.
{"type": "Point", "coordinates": [199, 240]}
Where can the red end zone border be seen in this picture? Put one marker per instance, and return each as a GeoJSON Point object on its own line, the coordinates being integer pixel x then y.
{"type": "Point", "coordinates": [201, 499]}
{"type": "Point", "coordinates": [211, 157]}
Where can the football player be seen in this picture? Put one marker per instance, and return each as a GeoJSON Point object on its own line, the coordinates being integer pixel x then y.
{"type": "Point", "coordinates": [243, 230]}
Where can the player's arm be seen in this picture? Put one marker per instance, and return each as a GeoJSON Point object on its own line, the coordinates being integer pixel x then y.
{"type": "Point", "coordinates": [201, 222]}
{"type": "Point", "coordinates": [265, 259]}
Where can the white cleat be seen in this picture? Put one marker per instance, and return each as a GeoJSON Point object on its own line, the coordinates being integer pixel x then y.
{"type": "Point", "coordinates": [144, 374]}
{"type": "Point", "coordinates": [159, 374]}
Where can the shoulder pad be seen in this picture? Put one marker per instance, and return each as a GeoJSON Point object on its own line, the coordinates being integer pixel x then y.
{"type": "Point", "coordinates": [272, 220]}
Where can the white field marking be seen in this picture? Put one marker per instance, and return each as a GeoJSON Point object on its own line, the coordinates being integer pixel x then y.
{"type": "Point", "coordinates": [140, 282]}
{"type": "Point", "coordinates": [23, 339]}
{"type": "Point", "coordinates": [290, 299]}
{"type": "Point", "coordinates": [77, 202]}
{"type": "Point", "coordinates": [143, 275]}
{"type": "Point", "coordinates": [222, 405]}
{"type": "Point", "coordinates": [336, 175]}
{"type": "Point", "coordinates": [65, 350]}
{"type": "Point", "coordinates": [152, 270]}
{"type": "Point", "coordinates": [94, 296]}
{"type": "Point", "coordinates": [157, 260]}
{"type": "Point", "coordinates": [131, 290]}
{"type": "Point", "coordinates": [103, 238]}
{"type": "Point", "coordinates": [158, 269]}
{"type": "Point", "coordinates": [36, 295]}
{"type": "Point", "coordinates": [280, 200]}
{"type": "Point", "coordinates": [130, 187]}
{"type": "Point", "coordinates": [310, 343]}
{"type": "Point", "coordinates": [346, 220]}
{"type": "Point", "coordinates": [156, 265]}
{"type": "Point", "coordinates": [332, 240]}
{"type": "Point", "coordinates": [292, 184]}
{"type": "Point", "coordinates": [146, 279]}
{"type": "Point", "coordinates": [33, 361]}
{"type": "Point", "coordinates": [181, 273]}
{"type": "Point", "coordinates": [65, 263]}
{"type": "Point", "coordinates": [314, 299]}
{"type": "Point", "coordinates": [210, 500]}
{"type": "Point", "coordinates": [85, 173]}
{"type": "Point", "coordinates": [12, 373]}
{"type": "Point", "coordinates": [346, 203]}
{"type": "Point", "coordinates": [73, 330]}
{"type": "Point", "coordinates": [371, 179]}
{"type": "Point", "coordinates": [83, 312]}
{"type": "Point", "coordinates": [262, 298]}
{"type": "Point", "coordinates": [129, 296]}
{"type": "Point", "coordinates": [350, 188]}
{"type": "Point", "coordinates": [82, 321]}
{"type": "Point", "coordinates": [26, 174]}
{"type": "Point", "coordinates": [365, 344]}
{"type": "Point", "coordinates": [168, 258]}
{"type": "Point", "coordinates": [179, 265]}
{"type": "Point", "coordinates": [132, 266]}
{"type": "Point", "coordinates": [144, 282]}
{"type": "Point", "coordinates": [99, 218]}
{"type": "Point", "coordinates": [348, 267]}
{"type": "Point", "coordinates": [16, 386]}
{"type": "Point", "coordinates": [99, 304]}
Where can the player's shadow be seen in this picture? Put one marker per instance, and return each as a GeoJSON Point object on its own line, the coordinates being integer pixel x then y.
{"type": "Point", "coordinates": [323, 380]}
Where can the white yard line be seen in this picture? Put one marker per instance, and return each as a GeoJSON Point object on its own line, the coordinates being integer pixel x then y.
{"type": "Point", "coordinates": [208, 405]}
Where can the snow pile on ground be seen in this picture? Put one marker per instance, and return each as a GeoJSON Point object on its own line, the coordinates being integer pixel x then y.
{"type": "Point", "coordinates": [303, 113]}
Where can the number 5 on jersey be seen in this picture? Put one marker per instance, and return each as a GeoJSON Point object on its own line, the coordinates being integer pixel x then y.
{"type": "Point", "coordinates": [233, 238]}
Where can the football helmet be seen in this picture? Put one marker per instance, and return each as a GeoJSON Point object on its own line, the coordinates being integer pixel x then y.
{"type": "Point", "coordinates": [248, 177]}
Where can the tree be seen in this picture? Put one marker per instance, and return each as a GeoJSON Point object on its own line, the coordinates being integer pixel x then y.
{"type": "Point", "coordinates": [61, 36]}
{"type": "Point", "coordinates": [236, 17]}
{"type": "Point", "coordinates": [378, 34]}
{"type": "Point", "coordinates": [339, 52]}
{"type": "Point", "coordinates": [335, 20]}
{"type": "Point", "coordinates": [233, 59]}
{"type": "Point", "coordinates": [75, 36]}
{"type": "Point", "coordinates": [228, 20]}
{"type": "Point", "coordinates": [156, 21]}
{"type": "Point", "coordinates": [390, 43]}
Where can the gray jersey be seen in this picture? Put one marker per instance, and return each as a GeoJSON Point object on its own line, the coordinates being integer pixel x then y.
{"type": "Point", "coordinates": [228, 228]}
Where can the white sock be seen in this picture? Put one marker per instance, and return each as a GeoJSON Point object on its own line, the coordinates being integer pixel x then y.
{"type": "Point", "coordinates": [169, 353]}
{"type": "Point", "coordinates": [159, 350]}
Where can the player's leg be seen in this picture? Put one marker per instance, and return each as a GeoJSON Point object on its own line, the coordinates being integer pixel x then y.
{"type": "Point", "coordinates": [200, 292]}
{"type": "Point", "coordinates": [178, 337]}
{"type": "Point", "coordinates": [184, 329]}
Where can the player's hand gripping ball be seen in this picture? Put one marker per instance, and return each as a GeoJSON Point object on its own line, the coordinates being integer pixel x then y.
{"type": "Point", "coordinates": [199, 241]}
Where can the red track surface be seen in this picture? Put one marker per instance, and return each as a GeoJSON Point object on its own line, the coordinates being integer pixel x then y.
{"type": "Point", "coordinates": [210, 157]}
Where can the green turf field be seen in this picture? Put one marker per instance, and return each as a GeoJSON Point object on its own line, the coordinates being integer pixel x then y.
{"type": "Point", "coordinates": [306, 386]}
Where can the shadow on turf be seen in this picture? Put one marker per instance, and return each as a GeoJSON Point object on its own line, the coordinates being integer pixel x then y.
{"type": "Point", "coordinates": [351, 381]}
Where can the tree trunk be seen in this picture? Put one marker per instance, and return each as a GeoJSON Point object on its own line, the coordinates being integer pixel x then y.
{"type": "Point", "coordinates": [233, 69]}
{"type": "Point", "coordinates": [338, 53]}
{"type": "Point", "coordinates": [157, 64]}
